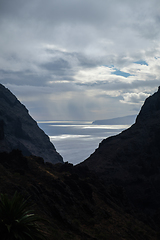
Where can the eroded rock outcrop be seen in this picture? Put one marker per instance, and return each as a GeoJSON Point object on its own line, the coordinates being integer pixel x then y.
{"type": "Point", "coordinates": [18, 130]}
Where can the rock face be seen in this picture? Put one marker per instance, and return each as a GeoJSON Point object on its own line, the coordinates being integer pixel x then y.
{"type": "Point", "coordinates": [18, 130]}
{"type": "Point", "coordinates": [132, 158]}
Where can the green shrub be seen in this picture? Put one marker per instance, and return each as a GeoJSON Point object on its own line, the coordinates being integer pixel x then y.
{"type": "Point", "coordinates": [17, 221]}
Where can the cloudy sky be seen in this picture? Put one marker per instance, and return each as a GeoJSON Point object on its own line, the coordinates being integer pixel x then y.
{"type": "Point", "coordinates": [80, 59]}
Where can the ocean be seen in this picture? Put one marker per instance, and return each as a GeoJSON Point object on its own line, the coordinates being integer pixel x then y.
{"type": "Point", "coordinates": [77, 140]}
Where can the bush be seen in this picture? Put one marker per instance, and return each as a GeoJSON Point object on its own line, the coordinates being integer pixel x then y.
{"type": "Point", "coordinates": [17, 221]}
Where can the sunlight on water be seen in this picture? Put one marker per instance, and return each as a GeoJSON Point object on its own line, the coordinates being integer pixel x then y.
{"type": "Point", "coordinates": [65, 136]}
{"type": "Point", "coordinates": [76, 140]}
{"type": "Point", "coordinates": [66, 122]}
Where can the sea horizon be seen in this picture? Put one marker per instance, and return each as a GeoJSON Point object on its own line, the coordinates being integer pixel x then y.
{"type": "Point", "coordinates": [76, 140]}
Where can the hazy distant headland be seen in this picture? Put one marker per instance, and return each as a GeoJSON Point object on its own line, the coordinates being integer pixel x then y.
{"type": "Point", "coordinates": [126, 120]}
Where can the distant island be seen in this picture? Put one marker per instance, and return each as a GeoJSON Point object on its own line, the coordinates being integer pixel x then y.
{"type": "Point", "coordinates": [126, 120]}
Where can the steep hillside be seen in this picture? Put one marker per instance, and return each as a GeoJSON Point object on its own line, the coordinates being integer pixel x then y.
{"type": "Point", "coordinates": [115, 194]}
{"type": "Point", "coordinates": [131, 159]}
{"type": "Point", "coordinates": [18, 130]}
{"type": "Point", "coordinates": [76, 203]}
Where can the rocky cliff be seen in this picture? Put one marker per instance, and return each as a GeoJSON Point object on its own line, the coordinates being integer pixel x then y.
{"type": "Point", "coordinates": [132, 158]}
{"type": "Point", "coordinates": [18, 130]}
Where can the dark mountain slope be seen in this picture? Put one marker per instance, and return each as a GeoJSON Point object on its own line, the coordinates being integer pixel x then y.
{"type": "Point", "coordinates": [76, 203]}
{"type": "Point", "coordinates": [18, 130]}
{"type": "Point", "coordinates": [132, 158]}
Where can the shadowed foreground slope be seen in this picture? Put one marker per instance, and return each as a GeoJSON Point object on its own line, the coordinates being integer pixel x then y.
{"type": "Point", "coordinates": [75, 202]}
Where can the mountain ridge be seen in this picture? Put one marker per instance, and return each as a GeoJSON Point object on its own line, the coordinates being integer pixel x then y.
{"type": "Point", "coordinates": [18, 130]}
{"type": "Point", "coordinates": [115, 194]}
{"type": "Point", "coordinates": [131, 158]}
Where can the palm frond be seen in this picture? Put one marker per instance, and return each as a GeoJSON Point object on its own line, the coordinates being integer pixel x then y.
{"type": "Point", "coordinates": [17, 221]}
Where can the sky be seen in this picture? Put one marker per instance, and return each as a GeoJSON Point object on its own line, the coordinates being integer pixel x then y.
{"type": "Point", "coordinates": [80, 59]}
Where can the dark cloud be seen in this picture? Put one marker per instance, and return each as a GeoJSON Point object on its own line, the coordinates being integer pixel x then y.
{"type": "Point", "coordinates": [87, 62]}
{"type": "Point", "coordinates": [77, 59]}
{"type": "Point", "coordinates": [23, 78]}
{"type": "Point", "coordinates": [60, 69]}
{"type": "Point", "coordinates": [58, 66]}
{"type": "Point", "coordinates": [118, 85]}
{"type": "Point", "coordinates": [10, 9]}
{"type": "Point", "coordinates": [80, 56]}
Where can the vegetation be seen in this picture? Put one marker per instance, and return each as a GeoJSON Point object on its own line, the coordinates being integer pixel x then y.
{"type": "Point", "coordinates": [16, 220]}
{"type": "Point", "coordinates": [75, 203]}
